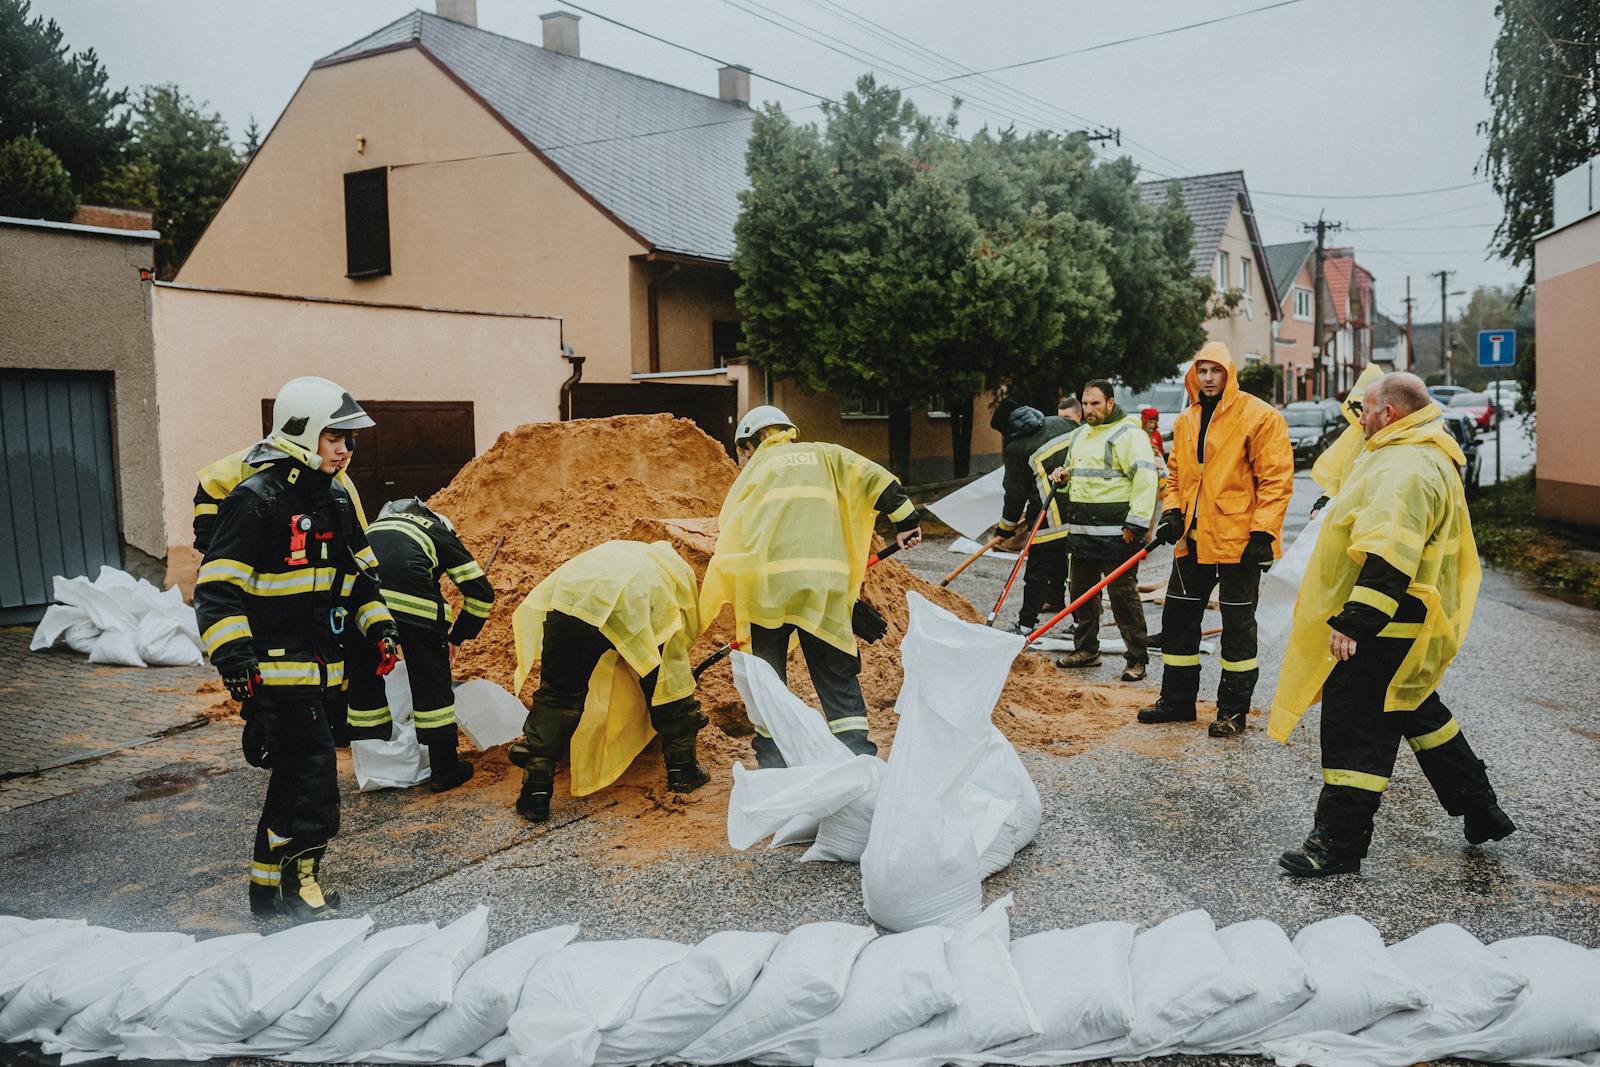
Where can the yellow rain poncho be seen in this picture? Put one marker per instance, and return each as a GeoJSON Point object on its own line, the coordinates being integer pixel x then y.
{"type": "Point", "coordinates": [1404, 502]}
{"type": "Point", "coordinates": [641, 597]}
{"type": "Point", "coordinates": [1333, 466]}
{"type": "Point", "coordinates": [795, 533]}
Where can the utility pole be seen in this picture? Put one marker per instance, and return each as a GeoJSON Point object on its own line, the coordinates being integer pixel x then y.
{"type": "Point", "coordinates": [1410, 354]}
{"type": "Point", "coordinates": [1321, 228]}
{"type": "Point", "coordinates": [1446, 356]}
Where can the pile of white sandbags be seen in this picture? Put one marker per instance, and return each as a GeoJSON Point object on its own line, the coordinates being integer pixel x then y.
{"type": "Point", "coordinates": [825, 993]}
{"type": "Point", "coordinates": [120, 621]}
{"type": "Point", "coordinates": [952, 806]}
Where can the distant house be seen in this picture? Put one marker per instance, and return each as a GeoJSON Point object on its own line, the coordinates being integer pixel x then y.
{"type": "Point", "coordinates": [1293, 345]}
{"type": "Point", "coordinates": [1566, 268]}
{"type": "Point", "coordinates": [1348, 318]}
{"type": "Point", "coordinates": [435, 164]}
{"type": "Point", "coordinates": [1226, 247]}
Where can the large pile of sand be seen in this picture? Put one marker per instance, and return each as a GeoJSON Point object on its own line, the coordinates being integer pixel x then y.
{"type": "Point", "coordinates": [552, 490]}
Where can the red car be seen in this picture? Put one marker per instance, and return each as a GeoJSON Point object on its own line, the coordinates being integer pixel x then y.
{"type": "Point", "coordinates": [1479, 406]}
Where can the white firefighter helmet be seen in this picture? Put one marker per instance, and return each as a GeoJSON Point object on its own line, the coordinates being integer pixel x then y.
{"type": "Point", "coordinates": [413, 505]}
{"type": "Point", "coordinates": [757, 419]}
{"type": "Point", "coordinates": [305, 407]}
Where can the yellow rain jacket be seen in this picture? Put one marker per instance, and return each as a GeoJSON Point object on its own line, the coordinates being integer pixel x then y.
{"type": "Point", "coordinates": [641, 597]}
{"type": "Point", "coordinates": [1403, 502]}
{"type": "Point", "coordinates": [795, 533]}
{"type": "Point", "coordinates": [1333, 466]}
{"type": "Point", "coordinates": [1245, 479]}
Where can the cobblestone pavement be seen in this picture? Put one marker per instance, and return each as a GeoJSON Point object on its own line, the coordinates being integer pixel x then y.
{"type": "Point", "coordinates": [57, 709]}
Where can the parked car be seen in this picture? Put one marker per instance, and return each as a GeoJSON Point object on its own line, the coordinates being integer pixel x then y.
{"type": "Point", "coordinates": [1505, 393]}
{"type": "Point", "coordinates": [1441, 394]}
{"type": "Point", "coordinates": [1464, 429]}
{"type": "Point", "coordinates": [1313, 426]}
{"type": "Point", "coordinates": [1168, 397]}
{"type": "Point", "coordinates": [1479, 406]}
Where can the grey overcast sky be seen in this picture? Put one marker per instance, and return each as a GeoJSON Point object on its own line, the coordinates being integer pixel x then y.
{"type": "Point", "coordinates": [1319, 102]}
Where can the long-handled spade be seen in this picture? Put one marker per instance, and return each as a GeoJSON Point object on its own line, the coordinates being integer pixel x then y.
{"type": "Point", "coordinates": [1017, 566]}
{"type": "Point", "coordinates": [969, 561]}
{"type": "Point", "coordinates": [722, 653]}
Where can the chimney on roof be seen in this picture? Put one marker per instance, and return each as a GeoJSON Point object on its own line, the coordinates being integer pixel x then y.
{"type": "Point", "coordinates": [733, 84]}
{"type": "Point", "coordinates": [560, 32]}
{"type": "Point", "coordinates": [464, 11]}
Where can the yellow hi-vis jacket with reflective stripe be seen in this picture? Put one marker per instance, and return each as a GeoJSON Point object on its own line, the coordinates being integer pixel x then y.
{"type": "Point", "coordinates": [793, 539]}
{"type": "Point", "coordinates": [642, 599]}
{"type": "Point", "coordinates": [219, 478]}
{"type": "Point", "coordinates": [1403, 502]}
{"type": "Point", "coordinates": [1333, 466]}
{"type": "Point", "coordinates": [1112, 483]}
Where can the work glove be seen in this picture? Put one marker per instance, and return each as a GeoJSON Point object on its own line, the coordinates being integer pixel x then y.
{"type": "Point", "coordinates": [866, 623]}
{"type": "Point", "coordinates": [1259, 550]}
{"type": "Point", "coordinates": [1016, 539]}
{"type": "Point", "coordinates": [388, 652]}
{"type": "Point", "coordinates": [257, 739]}
{"type": "Point", "coordinates": [1171, 527]}
{"type": "Point", "coordinates": [242, 682]}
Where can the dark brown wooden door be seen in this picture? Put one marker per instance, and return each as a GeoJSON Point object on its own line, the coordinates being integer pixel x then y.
{"type": "Point", "coordinates": [711, 407]}
{"type": "Point", "coordinates": [415, 449]}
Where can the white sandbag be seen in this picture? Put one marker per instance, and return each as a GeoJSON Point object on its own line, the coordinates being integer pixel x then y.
{"type": "Point", "coordinates": [482, 1003]}
{"type": "Point", "coordinates": [77, 980]}
{"type": "Point", "coordinates": [974, 507]}
{"type": "Point", "coordinates": [99, 1027]}
{"type": "Point", "coordinates": [1467, 987]}
{"type": "Point", "coordinates": [578, 991]}
{"type": "Point", "coordinates": [488, 714]}
{"type": "Point", "coordinates": [64, 623]}
{"type": "Point", "coordinates": [321, 1007]}
{"type": "Point", "coordinates": [899, 982]}
{"type": "Point", "coordinates": [799, 730]}
{"type": "Point", "coordinates": [682, 1000]}
{"type": "Point", "coordinates": [32, 956]}
{"type": "Point", "coordinates": [804, 980]}
{"type": "Point", "coordinates": [993, 1008]}
{"type": "Point", "coordinates": [255, 986]}
{"type": "Point", "coordinates": [417, 985]}
{"type": "Point", "coordinates": [117, 648]}
{"type": "Point", "coordinates": [1556, 1017]}
{"type": "Point", "coordinates": [842, 833]}
{"type": "Point", "coordinates": [955, 800]}
{"type": "Point", "coordinates": [1356, 982]}
{"type": "Point", "coordinates": [168, 634]}
{"type": "Point", "coordinates": [15, 929]}
{"type": "Point", "coordinates": [1275, 971]}
{"type": "Point", "coordinates": [1080, 984]}
{"type": "Point", "coordinates": [837, 799]}
{"type": "Point", "coordinates": [1281, 585]}
{"type": "Point", "coordinates": [121, 621]}
{"type": "Point", "coordinates": [400, 762]}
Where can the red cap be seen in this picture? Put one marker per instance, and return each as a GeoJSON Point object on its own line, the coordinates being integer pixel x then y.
{"type": "Point", "coordinates": [1149, 413]}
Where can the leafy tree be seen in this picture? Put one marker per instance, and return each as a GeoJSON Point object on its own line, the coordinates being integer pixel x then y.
{"type": "Point", "coordinates": [33, 183]}
{"type": "Point", "coordinates": [1260, 379]}
{"type": "Point", "coordinates": [60, 99]}
{"type": "Point", "coordinates": [194, 165]}
{"type": "Point", "coordinates": [252, 140]}
{"type": "Point", "coordinates": [131, 184]}
{"type": "Point", "coordinates": [1542, 86]}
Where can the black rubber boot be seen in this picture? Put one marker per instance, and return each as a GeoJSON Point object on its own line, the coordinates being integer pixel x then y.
{"type": "Point", "coordinates": [1314, 860]}
{"type": "Point", "coordinates": [533, 803]}
{"type": "Point", "coordinates": [1487, 824]}
{"type": "Point", "coordinates": [1161, 711]}
{"type": "Point", "coordinates": [263, 900]}
{"type": "Point", "coordinates": [684, 773]}
{"type": "Point", "coordinates": [300, 895]}
{"type": "Point", "coordinates": [1228, 725]}
{"type": "Point", "coordinates": [448, 768]}
{"type": "Point", "coordinates": [767, 754]}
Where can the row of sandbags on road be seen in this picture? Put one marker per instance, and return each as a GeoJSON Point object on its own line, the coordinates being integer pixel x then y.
{"type": "Point", "coordinates": [825, 993]}
{"type": "Point", "coordinates": [952, 805]}
{"type": "Point", "coordinates": [120, 621]}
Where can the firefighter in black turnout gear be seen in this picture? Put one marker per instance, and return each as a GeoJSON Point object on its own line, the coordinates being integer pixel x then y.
{"type": "Point", "coordinates": [415, 548]}
{"type": "Point", "coordinates": [279, 588]}
{"type": "Point", "coordinates": [1044, 577]}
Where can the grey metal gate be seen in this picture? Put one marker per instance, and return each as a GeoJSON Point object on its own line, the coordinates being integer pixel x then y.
{"type": "Point", "coordinates": [58, 492]}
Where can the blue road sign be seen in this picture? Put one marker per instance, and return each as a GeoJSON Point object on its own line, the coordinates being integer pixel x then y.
{"type": "Point", "coordinates": [1497, 348]}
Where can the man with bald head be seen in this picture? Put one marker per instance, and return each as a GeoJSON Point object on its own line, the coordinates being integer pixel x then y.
{"type": "Point", "coordinates": [1383, 609]}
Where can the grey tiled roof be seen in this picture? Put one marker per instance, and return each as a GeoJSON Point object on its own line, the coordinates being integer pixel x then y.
{"type": "Point", "coordinates": [1209, 199]}
{"type": "Point", "coordinates": [1285, 261]}
{"type": "Point", "coordinates": [678, 189]}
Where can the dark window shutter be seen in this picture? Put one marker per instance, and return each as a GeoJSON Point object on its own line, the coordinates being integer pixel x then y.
{"type": "Point", "coordinates": [366, 223]}
{"type": "Point", "coordinates": [725, 338]}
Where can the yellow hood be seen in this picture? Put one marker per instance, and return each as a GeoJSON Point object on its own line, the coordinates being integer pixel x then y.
{"type": "Point", "coordinates": [1425, 426]}
{"type": "Point", "coordinates": [1212, 352]}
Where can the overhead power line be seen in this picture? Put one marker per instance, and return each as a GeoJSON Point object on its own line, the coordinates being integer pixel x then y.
{"type": "Point", "coordinates": [1371, 196]}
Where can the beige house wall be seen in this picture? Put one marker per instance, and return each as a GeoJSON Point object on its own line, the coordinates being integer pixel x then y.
{"type": "Point", "coordinates": [476, 221]}
{"type": "Point", "coordinates": [252, 344]}
{"type": "Point", "coordinates": [1567, 278]}
{"type": "Point", "coordinates": [688, 300]}
{"type": "Point", "coordinates": [71, 299]}
{"type": "Point", "coordinates": [1244, 332]}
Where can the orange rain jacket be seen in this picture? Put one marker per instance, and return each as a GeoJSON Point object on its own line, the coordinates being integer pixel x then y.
{"type": "Point", "coordinates": [1244, 481]}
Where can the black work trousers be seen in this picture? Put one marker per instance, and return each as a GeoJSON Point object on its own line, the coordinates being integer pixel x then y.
{"type": "Point", "coordinates": [1086, 570]}
{"type": "Point", "coordinates": [571, 651]}
{"type": "Point", "coordinates": [433, 702]}
{"type": "Point", "coordinates": [837, 678]}
{"type": "Point", "coordinates": [1044, 582]}
{"type": "Point", "coordinates": [1188, 590]}
{"type": "Point", "coordinates": [301, 809]}
{"type": "Point", "coordinates": [1360, 740]}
